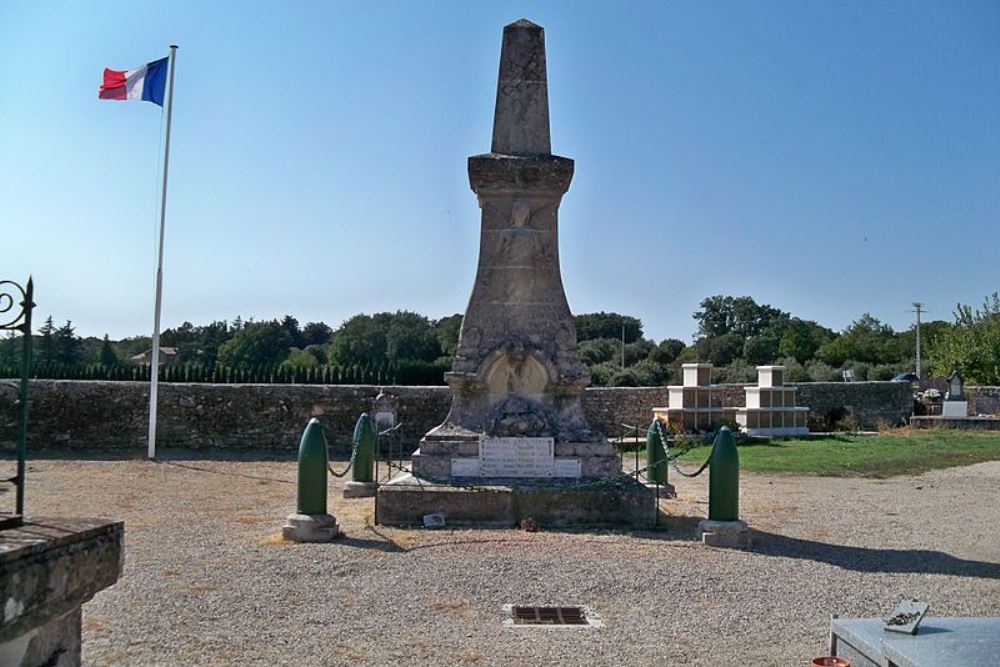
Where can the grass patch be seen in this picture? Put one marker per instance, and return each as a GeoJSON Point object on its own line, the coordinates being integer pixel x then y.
{"type": "Point", "coordinates": [900, 452]}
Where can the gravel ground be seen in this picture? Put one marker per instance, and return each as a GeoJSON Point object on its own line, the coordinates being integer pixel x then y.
{"type": "Point", "coordinates": [208, 580]}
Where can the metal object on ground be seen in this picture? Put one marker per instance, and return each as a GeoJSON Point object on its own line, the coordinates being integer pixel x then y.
{"type": "Point", "coordinates": [907, 617]}
{"type": "Point", "coordinates": [724, 478]}
{"type": "Point", "coordinates": [549, 616]}
{"type": "Point", "coordinates": [312, 470]}
{"type": "Point", "coordinates": [18, 320]}
{"type": "Point", "coordinates": [656, 455]}
{"type": "Point", "coordinates": [364, 445]}
{"type": "Point", "coordinates": [311, 523]}
{"type": "Point", "coordinates": [363, 483]}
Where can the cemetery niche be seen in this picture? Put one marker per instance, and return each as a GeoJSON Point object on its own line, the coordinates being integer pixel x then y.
{"type": "Point", "coordinates": [516, 442]}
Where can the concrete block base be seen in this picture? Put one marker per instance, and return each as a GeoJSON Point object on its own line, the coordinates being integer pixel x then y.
{"type": "Point", "coordinates": [504, 503]}
{"type": "Point", "coordinates": [729, 534]}
{"type": "Point", "coordinates": [360, 489]}
{"type": "Point", "coordinates": [48, 569]}
{"type": "Point", "coordinates": [663, 490]}
{"type": "Point", "coordinates": [310, 528]}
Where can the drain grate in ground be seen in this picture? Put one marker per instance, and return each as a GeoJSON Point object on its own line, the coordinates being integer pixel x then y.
{"type": "Point", "coordinates": [549, 617]}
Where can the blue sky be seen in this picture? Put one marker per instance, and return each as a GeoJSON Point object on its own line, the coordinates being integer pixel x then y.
{"type": "Point", "coordinates": [828, 158]}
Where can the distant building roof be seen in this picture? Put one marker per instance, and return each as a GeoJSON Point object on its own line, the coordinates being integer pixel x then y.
{"type": "Point", "coordinates": [166, 354]}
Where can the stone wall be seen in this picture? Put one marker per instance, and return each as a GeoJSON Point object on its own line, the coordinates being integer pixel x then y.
{"type": "Point", "coordinates": [95, 414]}
{"type": "Point", "coordinates": [869, 402]}
{"type": "Point", "coordinates": [983, 400]}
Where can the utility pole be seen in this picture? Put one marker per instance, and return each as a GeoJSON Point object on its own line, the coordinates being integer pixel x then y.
{"type": "Point", "coordinates": [623, 345]}
{"type": "Point", "coordinates": [916, 309]}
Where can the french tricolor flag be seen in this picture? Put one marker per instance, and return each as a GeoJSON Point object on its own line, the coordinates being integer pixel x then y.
{"type": "Point", "coordinates": [148, 83]}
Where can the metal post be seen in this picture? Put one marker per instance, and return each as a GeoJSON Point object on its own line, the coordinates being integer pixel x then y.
{"type": "Point", "coordinates": [917, 306]}
{"type": "Point", "coordinates": [155, 360]}
{"type": "Point", "coordinates": [724, 478]}
{"type": "Point", "coordinates": [656, 456]}
{"type": "Point", "coordinates": [364, 450]}
{"type": "Point", "coordinates": [312, 470]}
{"type": "Point", "coordinates": [22, 421]}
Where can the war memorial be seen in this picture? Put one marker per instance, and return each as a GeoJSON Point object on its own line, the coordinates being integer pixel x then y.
{"type": "Point", "coordinates": [516, 531]}
{"type": "Point", "coordinates": [516, 443]}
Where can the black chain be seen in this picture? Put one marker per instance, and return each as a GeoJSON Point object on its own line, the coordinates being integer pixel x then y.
{"type": "Point", "coordinates": [672, 459]}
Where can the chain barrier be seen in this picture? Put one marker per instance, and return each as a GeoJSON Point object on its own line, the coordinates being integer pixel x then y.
{"type": "Point", "coordinates": [672, 459]}
{"type": "Point", "coordinates": [350, 464]}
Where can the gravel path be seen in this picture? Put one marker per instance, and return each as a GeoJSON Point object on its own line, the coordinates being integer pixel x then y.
{"type": "Point", "coordinates": [208, 581]}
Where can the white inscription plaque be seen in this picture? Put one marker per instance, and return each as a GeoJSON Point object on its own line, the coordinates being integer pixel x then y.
{"type": "Point", "coordinates": [516, 457]}
{"type": "Point", "coordinates": [567, 468]}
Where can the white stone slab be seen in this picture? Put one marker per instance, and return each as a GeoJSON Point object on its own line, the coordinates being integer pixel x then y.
{"type": "Point", "coordinates": [516, 457]}
{"type": "Point", "coordinates": [567, 468]}
{"type": "Point", "coordinates": [955, 409]}
{"type": "Point", "coordinates": [465, 467]}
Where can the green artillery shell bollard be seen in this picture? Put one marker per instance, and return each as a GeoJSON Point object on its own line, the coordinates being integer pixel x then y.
{"type": "Point", "coordinates": [363, 472]}
{"type": "Point", "coordinates": [724, 478]}
{"type": "Point", "coordinates": [311, 523]}
{"type": "Point", "coordinates": [656, 455]}
{"type": "Point", "coordinates": [656, 462]}
{"type": "Point", "coordinates": [312, 470]}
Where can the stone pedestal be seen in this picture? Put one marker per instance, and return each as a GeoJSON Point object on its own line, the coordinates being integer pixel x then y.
{"type": "Point", "coordinates": [310, 528]}
{"type": "Point", "coordinates": [729, 534]}
{"type": "Point", "coordinates": [48, 569]}
{"type": "Point", "coordinates": [504, 503]}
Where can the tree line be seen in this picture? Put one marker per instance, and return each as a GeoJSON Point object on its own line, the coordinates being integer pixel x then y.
{"type": "Point", "coordinates": [734, 333]}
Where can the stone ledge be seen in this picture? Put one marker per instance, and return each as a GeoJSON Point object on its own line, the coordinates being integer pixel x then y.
{"type": "Point", "coordinates": [49, 567]}
{"type": "Point", "coordinates": [504, 503]}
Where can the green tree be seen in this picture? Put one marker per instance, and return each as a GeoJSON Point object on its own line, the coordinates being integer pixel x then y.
{"type": "Point", "coordinates": [300, 359]}
{"type": "Point", "coordinates": [866, 340]}
{"type": "Point", "coordinates": [446, 330]}
{"type": "Point", "coordinates": [637, 351]}
{"type": "Point", "coordinates": [599, 351]}
{"type": "Point", "coordinates": [802, 338]}
{"type": "Point", "coordinates": [360, 339]}
{"type": "Point", "coordinates": [256, 343]}
{"type": "Point", "coordinates": [972, 346]}
{"type": "Point", "coordinates": [667, 351]}
{"type": "Point", "coordinates": [108, 355]}
{"type": "Point", "coordinates": [721, 315]}
{"type": "Point", "coordinates": [410, 336]}
{"type": "Point", "coordinates": [316, 333]}
{"type": "Point", "coordinates": [591, 326]}
{"type": "Point", "coordinates": [46, 352]}
{"type": "Point", "coordinates": [67, 345]}
{"type": "Point", "coordinates": [291, 325]}
{"type": "Point", "coordinates": [763, 348]}
{"type": "Point", "coordinates": [720, 350]}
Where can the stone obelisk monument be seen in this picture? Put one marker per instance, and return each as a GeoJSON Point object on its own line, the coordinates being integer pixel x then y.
{"type": "Point", "coordinates": [517, 379]}
{"type": "Point", "coordinates": [516, 418]}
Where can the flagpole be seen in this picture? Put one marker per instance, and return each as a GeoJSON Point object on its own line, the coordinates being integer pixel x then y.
{"type": "Point", "coordinates": [154, 369]}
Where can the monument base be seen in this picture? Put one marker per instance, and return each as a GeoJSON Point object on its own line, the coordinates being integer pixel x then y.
{"type": "Point", "coordinates": [504, 503]}
{"type": "Point", "coordinates": [667, 490]}
{"type": "Point", "coordinates": [310, 528]}
{"type": "Point", "coordinates": [360, 489]}
{"type": "Point", "coordinates": [441, 459]}
{"type": "Point", "coordinates": [724, 533]}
